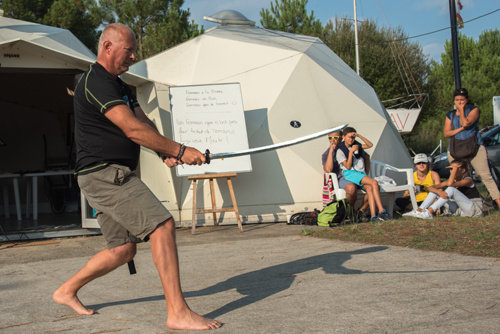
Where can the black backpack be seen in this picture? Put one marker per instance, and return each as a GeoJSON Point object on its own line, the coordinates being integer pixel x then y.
{"type": "Point", "coordinates": [304, 218]}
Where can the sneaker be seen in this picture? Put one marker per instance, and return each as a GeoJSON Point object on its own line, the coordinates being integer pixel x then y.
{"type": "Point", "coordinates": [412, 213]}
{"type": "Point", "coordinates": [375, 219]}
{"type": "Point", "coordinates": [384, 216]}
{"type": "Point", "coordinates": [425, 214]}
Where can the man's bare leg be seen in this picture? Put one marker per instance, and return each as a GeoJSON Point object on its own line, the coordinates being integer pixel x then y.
{"type": "Point", "coordinates": [100, 264]}
{"type": "Point", "coordinates": [164, 252]}
{"type": "Point", "coordinates": [351, 194]}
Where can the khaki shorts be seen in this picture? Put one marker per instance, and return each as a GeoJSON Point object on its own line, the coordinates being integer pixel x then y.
{"type": "Point", "coordinates": [127, 211]}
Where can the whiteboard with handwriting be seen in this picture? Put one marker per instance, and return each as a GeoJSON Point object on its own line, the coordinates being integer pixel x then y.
{"type": "Point", "coordinates": [210, 117]}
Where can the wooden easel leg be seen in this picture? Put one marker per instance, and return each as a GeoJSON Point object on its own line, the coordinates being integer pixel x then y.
{"type": "Point", "coordinates": [212, 193]}
{"type": "Point", "coordinates": [194, 208]}
{"type": "Point", "coordinates": [235, 206]}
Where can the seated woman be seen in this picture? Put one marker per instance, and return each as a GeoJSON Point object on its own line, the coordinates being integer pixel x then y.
{"type": "Point", "coordinates": [423, 178]}
{"type": "Point", "coordinates": [460, 188]}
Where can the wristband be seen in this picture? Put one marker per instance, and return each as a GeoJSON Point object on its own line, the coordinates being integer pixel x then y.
{"type": "Point", "coordinates": [181, 152]}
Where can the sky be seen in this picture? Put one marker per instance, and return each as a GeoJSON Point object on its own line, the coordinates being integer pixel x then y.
{"type": "Point", "coordinates": [416, 17]}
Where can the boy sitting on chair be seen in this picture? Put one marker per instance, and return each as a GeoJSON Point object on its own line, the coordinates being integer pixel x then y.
{"type": "Point", "coordinates": [352, 160]}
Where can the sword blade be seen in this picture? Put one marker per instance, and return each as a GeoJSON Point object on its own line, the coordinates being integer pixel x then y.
{"type": "Point", "coordinates": [209, 156]}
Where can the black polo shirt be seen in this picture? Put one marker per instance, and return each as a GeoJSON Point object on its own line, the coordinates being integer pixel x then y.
{"type": "Point", "coordinates": [99, 141]}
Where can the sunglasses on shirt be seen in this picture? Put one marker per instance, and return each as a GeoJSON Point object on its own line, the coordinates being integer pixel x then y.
{"type": "Point", "coordinates": [334, 137]}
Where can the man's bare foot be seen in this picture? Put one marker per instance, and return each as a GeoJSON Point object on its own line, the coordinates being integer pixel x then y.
{"type": "Point", "coordinates": [192, 321]}
{"type": "Point", "coordinates": [72, 301]}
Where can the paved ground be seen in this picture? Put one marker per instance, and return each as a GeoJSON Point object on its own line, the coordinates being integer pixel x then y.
{"type": "Point", "coordinates": [267, 279]}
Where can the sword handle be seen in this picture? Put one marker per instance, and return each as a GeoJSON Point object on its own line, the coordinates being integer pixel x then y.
{"type": "Point", "coordinates": [207, 156]}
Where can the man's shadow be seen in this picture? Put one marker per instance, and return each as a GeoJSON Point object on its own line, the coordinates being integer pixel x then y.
{"type": "Point", "coordinates": [262, 283]}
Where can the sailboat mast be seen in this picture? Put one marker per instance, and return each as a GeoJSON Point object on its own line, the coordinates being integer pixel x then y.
{"type": "Point", "coordinates": [356, 36]}
{"type": "Point", "coordinates": [454, 44]}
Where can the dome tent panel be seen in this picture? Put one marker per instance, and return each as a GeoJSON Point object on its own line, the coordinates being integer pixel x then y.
{"type": "Point", "coordinates": [49, 37]}
{"type": "Point", "coordinates": [221, 59]}
{"type": "Point", "coordinates": [341, 103]}
{"type": "Point", "coordinates": [337, 69]}
{"type": "Point", "coordinates": [258, 94]}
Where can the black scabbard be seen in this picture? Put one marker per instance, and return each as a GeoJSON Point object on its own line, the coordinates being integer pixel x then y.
{"type": "Point", "coordinates": [131, 267]}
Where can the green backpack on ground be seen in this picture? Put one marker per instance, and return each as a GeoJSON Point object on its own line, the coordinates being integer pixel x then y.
{"type": "Point", "coordinates": [335, 213]}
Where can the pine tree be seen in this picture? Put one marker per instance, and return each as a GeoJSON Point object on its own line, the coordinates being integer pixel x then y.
{"type": "Point", "coordinates": [291, 16]}
{"type": "Point", "coordinates": [157, 24]}
{"type": "Point", "coordinates": [386, 56]}
{"type": "Point", "coordinates": [480, 72]}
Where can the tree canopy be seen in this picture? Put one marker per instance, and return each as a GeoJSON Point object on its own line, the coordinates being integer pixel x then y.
{"type": "Point", "coordinates": [157, 24]}
{"type": "Point", "coordinates": [390, 63]}
{"type": "Point", "coordinates": [480, 71]}
{"type": "Point", "coordinates": [291, 16]}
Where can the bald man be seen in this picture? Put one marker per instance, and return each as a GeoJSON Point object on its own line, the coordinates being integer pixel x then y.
{"type": "Point", "coordinates": [110, 127]}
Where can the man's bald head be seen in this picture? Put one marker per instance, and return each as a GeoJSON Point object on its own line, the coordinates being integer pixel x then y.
{"type": "Point", "coordinates": [115, 32]}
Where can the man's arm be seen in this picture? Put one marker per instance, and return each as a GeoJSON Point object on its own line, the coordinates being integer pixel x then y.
{"type": "Point", "coordinates": [141, 116]}
{"type": "Point", "coordinates": [148, 136]}
{"type": "Point", "coordinates": [330, 163]}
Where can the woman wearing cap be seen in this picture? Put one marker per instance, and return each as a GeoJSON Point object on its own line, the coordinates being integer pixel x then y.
{"type": "Point", "coordinates": [423, 178]}
{"type": "Point", "coordinates": [465, 126]}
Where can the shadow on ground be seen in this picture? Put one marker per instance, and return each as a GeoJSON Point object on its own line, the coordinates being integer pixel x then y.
{"type": "Point", "coordinates": [260, 284]}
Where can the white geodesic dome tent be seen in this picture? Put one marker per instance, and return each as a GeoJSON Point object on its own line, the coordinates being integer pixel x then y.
{"type": "Point", "coordinates": [284, 78]}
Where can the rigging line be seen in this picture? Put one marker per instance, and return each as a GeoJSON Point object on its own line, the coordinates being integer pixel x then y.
{"type": "Point", "coordinates": [454, 26]}
{"type": "Point", "coordinates": [408, 66]}
{"type": "Point", "coordinates": [400, 50]}
{"type": "Point", "coordinates": [415, 96]}
{"type": "Point", "coordinates": [399, 64]}
{"type": "Point", "coordinates": [397, 59]}
{"type": "Point", "coordinates": [406, 38]}
{"type": "Point", "coordinates": [403, 61]}
{"type": "Point", "coordinates": [399, 70]}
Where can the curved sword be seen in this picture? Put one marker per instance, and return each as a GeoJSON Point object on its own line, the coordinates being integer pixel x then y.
{"type": "Point", "coordinates": [209, 156]}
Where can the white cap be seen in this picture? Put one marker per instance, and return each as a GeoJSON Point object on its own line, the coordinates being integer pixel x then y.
{"type": "Point", "coordinates": [421, 157]}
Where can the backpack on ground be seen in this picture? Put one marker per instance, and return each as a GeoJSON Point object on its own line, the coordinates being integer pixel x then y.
{"type": "Point", "coordinates": [335, 213]}
{"type": "Point", "coordinates": [304, 218]}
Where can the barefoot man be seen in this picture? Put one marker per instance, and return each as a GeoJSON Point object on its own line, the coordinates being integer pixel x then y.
{"type": "Point", "coordinates": [110, 128]}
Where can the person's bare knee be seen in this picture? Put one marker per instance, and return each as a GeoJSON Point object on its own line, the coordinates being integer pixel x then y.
{"type": "Point", "coordinates": [351, 189]}
{"type": "Point", "coordinates": [165, 228]}
{"type": "Point", "coordinates": [124, 253]}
